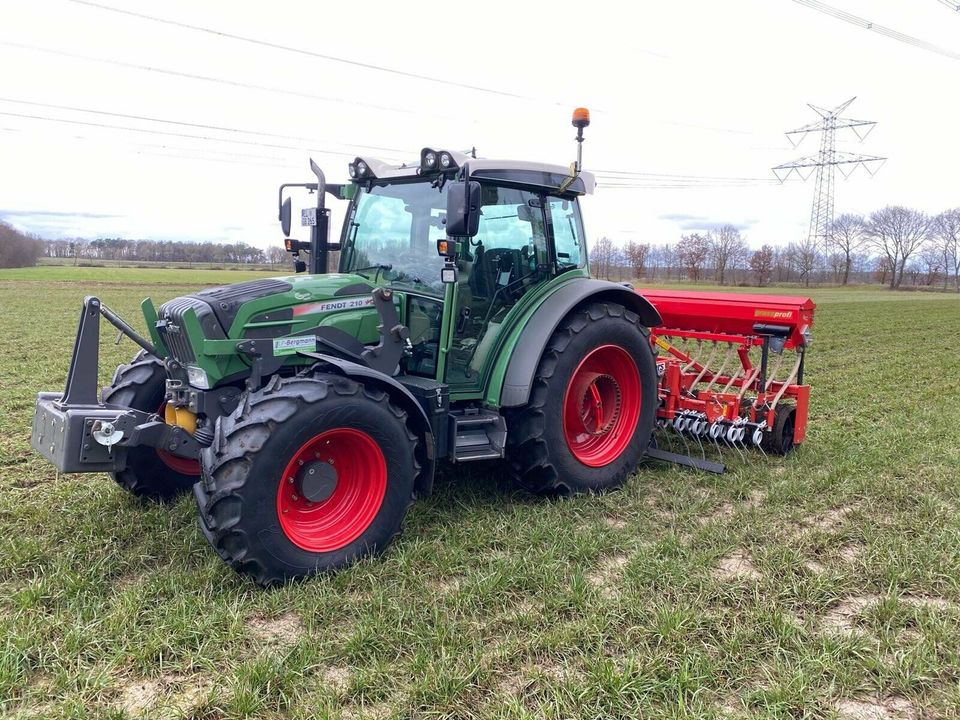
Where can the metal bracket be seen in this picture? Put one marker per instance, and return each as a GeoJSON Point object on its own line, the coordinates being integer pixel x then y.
{"type": "Point", "coordinates": [687, 461]}
{"type": "Point", "coordinates": [385, 356]}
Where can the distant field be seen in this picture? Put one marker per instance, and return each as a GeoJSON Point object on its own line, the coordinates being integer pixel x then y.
{"type": "Point", "coordinates": [149, 264]}
{"type": "Point", "coordinates": [788, 588]}
{"type": "Point", "coordinates": [133, 276]}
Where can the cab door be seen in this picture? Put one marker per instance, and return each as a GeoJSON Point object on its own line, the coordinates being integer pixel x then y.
{"type": "Point", "coordinates": [505, 260]}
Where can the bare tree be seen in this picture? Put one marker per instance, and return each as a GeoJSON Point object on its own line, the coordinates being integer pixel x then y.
{"type": "Point", "coordinates": [18, 249]}
{"type": "Point", "coordinates": [947, 233]}
{"type": "Point", "coordinates": [897, 233]}
{"type": "Point", "coordinates": [761, 262]}
{"type": "Point", "coordinates": [803, 258]}
{"type": "Point", "coordinates": [603, 254]}
{"type": "Point", "coordinates": [849, 232]}
{"type": "Point", "coordinates": [638, 254]}
{"type": "Point", "coordinates": [664, 256]}
{"type": "Point", "coordinates": [882, 269]}
{"type": "Point", "coordinates": [692, 253]}
{"type": "Point", "coordinates": [929, 264]}
{"type": "Point", "coordinates": [727, 248]}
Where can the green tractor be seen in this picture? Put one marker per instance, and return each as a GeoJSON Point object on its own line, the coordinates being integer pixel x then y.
{"type": "Point", "coordinates": [306, 412]}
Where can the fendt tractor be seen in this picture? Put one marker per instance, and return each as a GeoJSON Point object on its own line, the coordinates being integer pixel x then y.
{"type": "Point", "coordinates": [306, 412]}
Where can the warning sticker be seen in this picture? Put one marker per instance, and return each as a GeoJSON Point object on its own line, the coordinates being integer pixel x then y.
{"type": "Point", "coordinates": [662, 344]}
{"type": "Point", "coordinates": [293, 345]}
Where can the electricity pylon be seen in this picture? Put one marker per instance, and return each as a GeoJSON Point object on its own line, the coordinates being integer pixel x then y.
{"type": "Point", "coordinates": [824, 162]}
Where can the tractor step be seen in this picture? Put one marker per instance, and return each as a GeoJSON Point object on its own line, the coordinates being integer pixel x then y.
{"type": "Point", "coordinates": [476, 434]}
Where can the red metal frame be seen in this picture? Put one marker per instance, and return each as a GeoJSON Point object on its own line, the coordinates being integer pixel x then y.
{"type": "Point", "coordinates": [692, 392]}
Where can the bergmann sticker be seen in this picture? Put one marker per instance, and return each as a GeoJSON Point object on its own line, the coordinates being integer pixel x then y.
{"type": "Point", "coordinates": [293, 345]}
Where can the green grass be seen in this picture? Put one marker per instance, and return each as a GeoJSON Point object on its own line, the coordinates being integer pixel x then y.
{"type": "Point", "coordinates": [843, 564]}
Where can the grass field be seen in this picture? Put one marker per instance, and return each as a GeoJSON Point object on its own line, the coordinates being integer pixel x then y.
{"type": "Point", "coordinates": [822, 585]}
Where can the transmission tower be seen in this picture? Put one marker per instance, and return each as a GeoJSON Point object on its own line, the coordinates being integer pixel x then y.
{"type": "Point", "coordinates": [824, 163]}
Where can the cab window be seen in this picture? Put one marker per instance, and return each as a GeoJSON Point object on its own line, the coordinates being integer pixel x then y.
{"type": "Point", "coordinates": [567, 232]}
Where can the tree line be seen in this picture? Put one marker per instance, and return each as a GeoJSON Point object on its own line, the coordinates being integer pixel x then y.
{"type": "Point", "coordinates": [18, 249]}
{"type": "Point", "coordinates": [894, 246]}
{"type": "Point", "coordinates": [163, 251]}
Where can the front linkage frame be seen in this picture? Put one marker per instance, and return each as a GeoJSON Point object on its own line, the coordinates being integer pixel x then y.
{"type": "Point", "coordinates": [77, 432]}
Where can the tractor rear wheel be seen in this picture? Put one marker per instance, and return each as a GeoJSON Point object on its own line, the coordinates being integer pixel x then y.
{"type": "Point", "coordinates": [308, 474]}
{"type": "Point", "coordinates": [779, 441]}
{"type": "Point", "coordinates": [150, 473]}
{"type": "Point", "coordinates": [591, 410]}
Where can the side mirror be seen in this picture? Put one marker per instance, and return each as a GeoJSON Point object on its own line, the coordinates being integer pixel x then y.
{"type": "Point", "coordinates": [285, 217]}
{"type": "Point", "coordinates": [463, 209]}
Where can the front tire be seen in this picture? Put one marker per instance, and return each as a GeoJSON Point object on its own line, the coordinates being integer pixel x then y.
{"type": "Point", "coordinates": [150, 473]}
{"type": "Point", "coordinates": [591, 410]}
{"type": "Point", "coordinates": [308, 474]}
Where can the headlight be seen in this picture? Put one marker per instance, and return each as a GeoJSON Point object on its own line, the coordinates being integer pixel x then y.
{"type": "Point", "coordinates": [361, 168]}
{"type": "Point", "coordinates": [197, 377]}
{"type": "Point", "coordinates": [445, 160]}
{"type": "Point", "coordinates": [353, 170]}
{"type": "Point", "coordinates": [430, 159]}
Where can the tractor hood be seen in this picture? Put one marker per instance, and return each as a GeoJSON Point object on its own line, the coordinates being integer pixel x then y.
{"type": "Point", "coordinates": [202, 330]}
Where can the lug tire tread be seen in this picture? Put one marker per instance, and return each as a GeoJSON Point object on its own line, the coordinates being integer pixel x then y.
{"type": "Point", "coordinates": [240, 437]}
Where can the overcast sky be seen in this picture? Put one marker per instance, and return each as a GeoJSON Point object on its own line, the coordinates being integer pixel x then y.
{"type": "Point", "coordinates": [699, 88]}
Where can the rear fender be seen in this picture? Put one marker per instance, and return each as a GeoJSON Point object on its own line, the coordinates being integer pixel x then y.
{"type": "Point", "coordinates": [399, 395]}
{"type": "Point", "coordinates": [529, 340]}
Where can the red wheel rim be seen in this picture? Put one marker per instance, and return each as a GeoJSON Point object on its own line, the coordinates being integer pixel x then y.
{"type": "Point", "coordinates": [182, 465]}
{"type": "Point", "coordinates": [601, 406]}
{"type": "Point", "coordinates": [360, 484]}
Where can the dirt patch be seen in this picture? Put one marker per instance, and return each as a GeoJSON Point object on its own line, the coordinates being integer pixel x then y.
{"type": "Point", "coordinates": [336, 678]}
{"type": "Point", "coordinates": [138, 696]}
{"type": "Point", "coordinates": [814, 567]}
{"type": "Point", "coordinates": [276, 633]}
{"type": "Point", "coordinates": [377, 711]}
{"type": "Point", "coordinates": [164, 696]}
{"type": "Point", "coordinates": [615, 523]}
{"type": "Point", "coordinates": [851, 552]}
{"type": "Point", "coordinates": [737, 566]}
{"type": "Point", "coordinates": [842, 618]}
{"type": "Point", "coordinates": [521, 609]}
{"type": "Point", "coordinates": [929, 603]}
{"type": "Point", "coordinates": [447, 585]}
{"type": "Point", "coordinates": [831, 519]}
{"type": "Point", "coordinates": [890, 708]}
{"type": "Point", "coordinates": [512, 684]}
{"type": "Point", "coordinates": [828, 521]}
{"type": "Point", "coordinates": [727, 510]}
{"type": "Point", "coordinates": [606, 577]}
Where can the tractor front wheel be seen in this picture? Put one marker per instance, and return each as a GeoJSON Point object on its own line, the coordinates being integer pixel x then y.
{"type": "Point", "coordinates": [150, 473]}
{"type": "Point", "coordinates": [591, 410]}
{"type": "Point", "coordinates": [306, 475]}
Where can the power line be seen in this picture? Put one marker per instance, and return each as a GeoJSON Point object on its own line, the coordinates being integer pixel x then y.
{"type": "Point", "coordinates": [310, 53]}
{"type": "Point", "coordinates": [207, 78]}
{"type": "Point", "coordinates": [147, 131]}
{"type": "Point", "coordinates": [627, 174]}
{"type": "Point", "coordinates": [873, 27]}
{"type": "Point", "coordinates": [193, 125]}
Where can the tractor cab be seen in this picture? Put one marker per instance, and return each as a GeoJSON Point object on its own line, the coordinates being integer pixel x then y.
{"type": "Point", "coordinates": [464, 244]}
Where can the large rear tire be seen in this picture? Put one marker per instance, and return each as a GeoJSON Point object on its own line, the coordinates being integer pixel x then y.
{"type": "Point", "coordinates": [308, 474]}
{"type": "Point", "coordinates": [591, 410]}
{"type": "Point", "coordinates": [150, 473]}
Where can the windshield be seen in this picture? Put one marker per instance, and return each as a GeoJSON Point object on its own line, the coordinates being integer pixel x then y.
{"type": "Point", "coordinates": [392, 233]}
